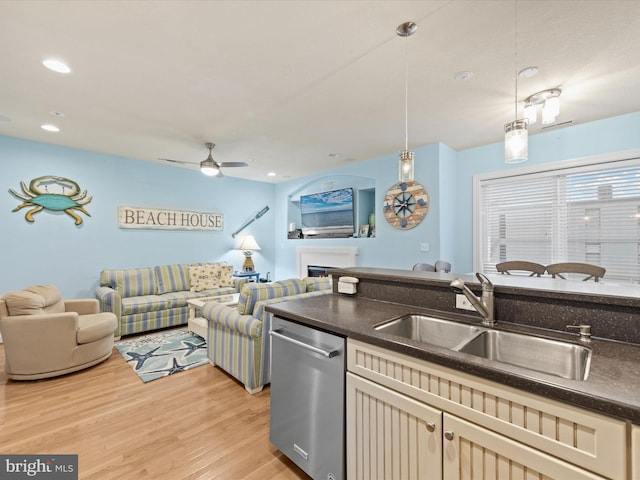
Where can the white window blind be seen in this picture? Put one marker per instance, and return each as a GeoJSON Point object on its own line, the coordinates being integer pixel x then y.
{"type": "Point", "coordinates": [587, 214]}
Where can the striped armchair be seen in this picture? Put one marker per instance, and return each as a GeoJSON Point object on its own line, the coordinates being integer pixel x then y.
{"type": "Point", "coordinates": [239, 335]}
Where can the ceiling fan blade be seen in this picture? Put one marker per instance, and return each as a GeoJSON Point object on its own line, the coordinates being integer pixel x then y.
{"type": "Point", "coordinates": [176, 161]}
{"type": "Point", "coordinates": [232, 164]}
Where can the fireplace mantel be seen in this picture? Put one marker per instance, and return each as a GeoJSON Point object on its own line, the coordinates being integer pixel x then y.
{"type": "Point", "coordinates": [338, 257]}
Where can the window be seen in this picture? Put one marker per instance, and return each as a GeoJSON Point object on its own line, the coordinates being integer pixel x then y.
{"type": "Point", "coordinates": [588, 214]}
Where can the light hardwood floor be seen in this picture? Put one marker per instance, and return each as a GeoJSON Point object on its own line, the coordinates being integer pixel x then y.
{"type": "Point", "coordinates": [198, 424]}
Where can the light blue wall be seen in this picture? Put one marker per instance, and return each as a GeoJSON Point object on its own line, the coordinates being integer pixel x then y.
{"type": "Point", "coordinates": [54, 250]}
{"type": "Point", "coordinates": [390, 248]}
{"type": "Point", "coordinates": [447, 176]}
{"type": "Point", "coordinates": [615, 134]}
{"type": "Point", "coordinates": [448, 205]}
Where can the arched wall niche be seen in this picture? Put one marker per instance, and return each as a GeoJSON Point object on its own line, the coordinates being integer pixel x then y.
{"type": "Point", "coordinates": [364, 199]}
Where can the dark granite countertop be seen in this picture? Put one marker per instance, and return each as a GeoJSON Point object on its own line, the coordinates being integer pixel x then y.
{"type": "Point", "coordinates": [609, 292]}
{"type": "Point", "coordinates": [612, 387]}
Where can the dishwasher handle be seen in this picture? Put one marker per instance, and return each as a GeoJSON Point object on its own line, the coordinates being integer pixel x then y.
{"type": "Point", "coordinates": [327, 353]}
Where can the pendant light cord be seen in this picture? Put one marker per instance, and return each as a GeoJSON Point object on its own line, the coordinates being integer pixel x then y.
{"type": "Point", "coordinates": [406, 94]}
{"type": "Point", "coordinates": [515, 60]}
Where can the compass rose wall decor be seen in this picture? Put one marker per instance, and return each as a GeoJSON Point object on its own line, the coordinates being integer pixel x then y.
{"type": "Point", "coordinates": [405, 205]}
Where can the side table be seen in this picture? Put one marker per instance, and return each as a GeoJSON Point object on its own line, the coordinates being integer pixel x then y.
{"type": "Point", "coordinates": [248, 275]}
{"type": "Point", "coordinates": [200, 325]}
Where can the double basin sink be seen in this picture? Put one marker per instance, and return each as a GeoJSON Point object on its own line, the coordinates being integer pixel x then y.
{"type": "Point", "coordinates": [554, 357]}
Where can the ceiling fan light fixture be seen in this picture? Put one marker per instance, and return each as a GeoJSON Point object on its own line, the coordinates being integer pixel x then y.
{"type": "Point", "coordinates": [209, 167]}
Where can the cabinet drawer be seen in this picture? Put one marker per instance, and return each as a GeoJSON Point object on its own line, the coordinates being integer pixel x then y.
{"type": "Point", "coordinates": [593, 441]}
{"type": "Point", "coordinates": [472, 452]}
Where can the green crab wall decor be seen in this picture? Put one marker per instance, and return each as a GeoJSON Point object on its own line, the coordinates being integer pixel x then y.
{"type": "Point", "coordinates": [57, 194]}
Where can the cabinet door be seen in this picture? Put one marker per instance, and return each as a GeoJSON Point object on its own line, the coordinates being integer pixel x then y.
{"type": "Point", "coordinates": [474, 453]}
{"type": "Point", "coordinates": [390, 436]}
{"type": "Point", "coordinates": [635, 451]}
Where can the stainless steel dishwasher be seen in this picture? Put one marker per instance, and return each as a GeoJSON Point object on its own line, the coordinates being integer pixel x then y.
{"type": "Point", "coordinates": [307, 398]}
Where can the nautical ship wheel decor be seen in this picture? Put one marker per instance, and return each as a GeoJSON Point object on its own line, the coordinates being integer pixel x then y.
{"type": "Point", "coordinates": [405, 205]}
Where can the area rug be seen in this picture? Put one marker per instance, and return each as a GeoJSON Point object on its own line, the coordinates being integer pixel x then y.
{"type": "Point", "coordinates": [164, 353]}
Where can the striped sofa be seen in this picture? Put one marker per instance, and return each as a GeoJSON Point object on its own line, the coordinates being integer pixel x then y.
{"type": "Point", "coordinates": [239, 335]}
{"type": "Point", "coordinates": [145, 299]}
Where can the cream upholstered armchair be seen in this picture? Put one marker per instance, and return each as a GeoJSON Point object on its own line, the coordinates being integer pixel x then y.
{"type": "Point", "coordinates": [45, 336]}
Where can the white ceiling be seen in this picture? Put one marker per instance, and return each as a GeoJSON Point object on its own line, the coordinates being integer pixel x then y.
{"type": "Point", "coordinates": [281, 85]}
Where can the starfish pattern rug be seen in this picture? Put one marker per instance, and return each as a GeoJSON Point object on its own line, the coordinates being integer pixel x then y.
{"type": "Point", "coordinates": [164, 353]}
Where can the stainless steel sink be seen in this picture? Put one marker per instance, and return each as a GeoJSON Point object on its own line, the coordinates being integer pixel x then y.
{"type": "Point", "coordinates": [554, 357]}
{"type": "Point", "coordinates": [431, 330]}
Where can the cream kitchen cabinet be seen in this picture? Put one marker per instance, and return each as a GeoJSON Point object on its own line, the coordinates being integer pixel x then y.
{"type": "Point", "coordinates": [635, 452]}
{"type": "Point", "coordinates": [490, 425]}
{"type": "Point", "coordinates": [393, 437]}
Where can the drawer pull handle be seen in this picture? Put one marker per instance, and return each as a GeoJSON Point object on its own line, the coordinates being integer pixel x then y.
{"type": "Point", "coordinates": [431, 427]}
{"type": "Point", "coordinates": [449, 435]}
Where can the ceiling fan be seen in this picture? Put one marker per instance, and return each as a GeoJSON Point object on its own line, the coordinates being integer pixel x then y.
{"type": "Point", "coordinates": [209, 166]}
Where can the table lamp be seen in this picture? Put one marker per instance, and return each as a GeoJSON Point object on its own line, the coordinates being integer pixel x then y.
{"type": "Point", "coordinates": [248, 245]}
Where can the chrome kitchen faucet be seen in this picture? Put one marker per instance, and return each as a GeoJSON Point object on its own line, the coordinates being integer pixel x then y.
{"type": "Point", "coordinates": [484, 304]}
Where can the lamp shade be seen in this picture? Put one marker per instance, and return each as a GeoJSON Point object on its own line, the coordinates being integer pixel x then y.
{"type": "Point", "coordinates": [249, 244]}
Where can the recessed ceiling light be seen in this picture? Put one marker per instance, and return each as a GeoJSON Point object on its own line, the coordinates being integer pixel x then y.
{"type": "Point", "coordinates": [49, 128]}
{"type": "Point", "coordinates": [528, 72]}
{"type": "Point", "coordinates": [56, 65]}
{"type": "Point", "coordinates": [271, 174]}
{"type": "Point", "coordinates": [462, 76]}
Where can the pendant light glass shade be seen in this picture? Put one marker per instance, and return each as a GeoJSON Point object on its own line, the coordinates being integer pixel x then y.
{"type": "Point", "coordinates": [405, 173]}
{"type": "Point", "coordinates": [516, 142]}
{"type": "Point", "coordinates": [530, 113]}
{"type": "Point", "coordinates": [550, 110]}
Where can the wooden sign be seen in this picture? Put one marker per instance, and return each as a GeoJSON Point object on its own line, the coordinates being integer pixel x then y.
{"type": "Point", "coordinates": [138, 217]}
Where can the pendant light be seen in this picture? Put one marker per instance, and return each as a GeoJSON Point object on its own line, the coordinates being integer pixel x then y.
{"type": "Point", "coordinates": [516, 136]}
{"type": "Point", "coordinates": [405, 170]}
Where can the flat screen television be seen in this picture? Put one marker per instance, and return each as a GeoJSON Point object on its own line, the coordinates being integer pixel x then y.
{"type": "Point", "coordinates": [328, 214]}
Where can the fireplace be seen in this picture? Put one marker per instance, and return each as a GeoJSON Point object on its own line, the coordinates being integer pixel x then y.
{"type": "Point", "coordinates": [317, 271]}
{"type": "Point", "coordinates": [324, 257]}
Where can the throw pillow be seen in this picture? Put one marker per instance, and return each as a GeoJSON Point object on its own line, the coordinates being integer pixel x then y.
{"type": "Point", "coordinates": [225, 278]}
{"type": "Point", "coordinates": [204, 277]}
